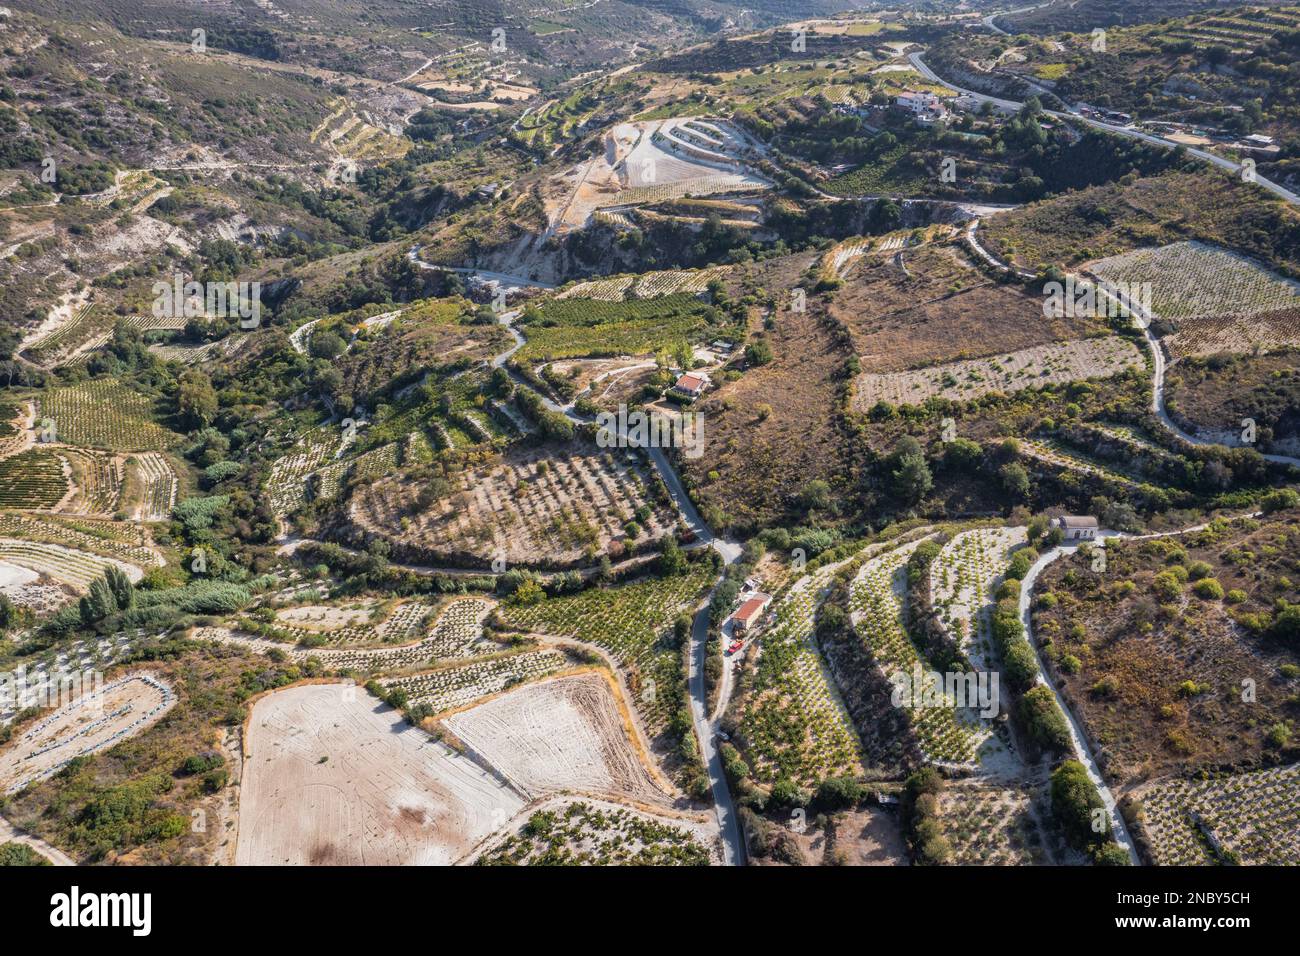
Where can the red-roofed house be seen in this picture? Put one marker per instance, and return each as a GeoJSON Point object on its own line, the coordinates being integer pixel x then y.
{"type": "Point", "coordinates": [692, 384]}
{"type": "Point", "coordinates": [749, 613]}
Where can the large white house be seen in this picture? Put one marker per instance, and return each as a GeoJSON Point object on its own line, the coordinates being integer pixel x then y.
{"type": "Point", "coordinates": [923, 107]}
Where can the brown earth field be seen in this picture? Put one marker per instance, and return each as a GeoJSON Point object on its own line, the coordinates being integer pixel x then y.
{"type": "Point", "coordinates": [1217, 392]}
{"type": "Point", "coordinates": [762, 463]}
{"type": "Point", "coordinates": [1155, 670]}
{"type": "Point", "coordinates": [945, 310]}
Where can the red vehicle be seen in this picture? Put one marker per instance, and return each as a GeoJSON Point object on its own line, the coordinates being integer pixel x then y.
{"type": "Point", "coordinates": [735, 646]}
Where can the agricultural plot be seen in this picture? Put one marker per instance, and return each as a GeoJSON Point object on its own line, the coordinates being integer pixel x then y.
{"type": "Point", "coordinates": [534, 505]}
{"type": "Point", "coordinates": [632, 622]}
{"type": "Point", "coordinates": [574, 328]}
{"type": "Point", "coordinates": [88, 328]}
{"type": "Point", "coordinates": [1251, 819]}
{"type": "Point", "coordinates": [1009, 372]}
{"type": "Point", "coordinates": [62, 674]}
{"type": "Point", "coordinates": [1219, 300]}
{"type": "Point", "coordinates": [15, 428]}
{"type": "Point", "coordinates": [596, 833]}
{"type": "Point", "coordinates": [648, 285]}
{"type": "Point", "coordinates": [65, 565]}
{"type": "Point", "coordinates": [158, 486]}
{"type": "Point", "coordinates": [287, 483]}
{"type": "Point", "coordinates": [794, 724]}
{"type": "Point", "coordinates": [323, 624]}
{"type": "Point", "coordinates": [988, 826]}
{"type": "Point", "coordinates": [1058, 455]}
{"type": "Point", "coordinates": [328, 482]}
{"type": "Point", "coordinates": [197, 354]}
{"type": "Point", "coordinates": [102, 718]}
{"type": "Point", "coordinates": [103, 413]}
{"type": "Point", "coordinates": [458, 633]}
{"type": "Point", "coordinates": [564, 734]}
{"type": "Point", "coordinates": [451, 687]}
{"type": "Point", "coordinates": [942, 310]}
{"type": "Point", "coordinates": [963, 579]}
{"type": "Point", "coordinates": [331, 777]}
{"type": "Point", "coordinates": [34, 479]}
{"type": "Point", "coordinates": [111, 539]}
{"type": "Point", "coordinates": [876, 604]}
{"type": "Point", "coordinates": [97, 481]}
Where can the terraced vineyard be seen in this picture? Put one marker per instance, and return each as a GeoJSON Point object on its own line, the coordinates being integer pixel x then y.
{"type": "Point", "coordinates": [876, 604]}
{"type": "Point", "coordinates": [794, 724]}
{"type": "Point", "coordinates": [103, 413]}
{"type": "Point", "coordinates": [329, 480]}
{"type": "Point", "coordinates": [98, 480]}
{"type": "Point", "coordinates": [325, 625]}
{"type": "Point", "coordinates": [35, 478]}
{"type": "Point", "coordinates": [72, 567]}
{"type": "Point", "coordinates": [632, 622]}
{"type": "Point", "coordinates": [110, 539]}
{"type": "Point", "coordinates": [452, 687]}
{"type": "Point", "coordinates": [1249, 818]}
{"type": "Point", "coordinates": [988, 826]}
{"type": "Point", "coordinates": [648, 285]}
{"type": "Point", "coordinates": [574, 328]}
{"type": "Point", "coordinates": [287, 483]}
{"type": "Point", "coordinates": [963, 579]}
{"type": "Point", "coordinates": [458, 633]}
{"type": "Point", "coordinates": [158, 486]}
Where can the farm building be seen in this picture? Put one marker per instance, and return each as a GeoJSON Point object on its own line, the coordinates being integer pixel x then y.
{"type": "Point", "coordinates": [1076, 527]}
{"type": "Point", "coordinates": [691, 385]}
{"type": "Point", "coordinates": [749, 613]}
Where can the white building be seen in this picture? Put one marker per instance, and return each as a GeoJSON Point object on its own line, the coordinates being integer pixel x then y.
{"type": "Point", "coordinates": [1077, 527]}
{"type": "Point", "coordinates": [922, 107]}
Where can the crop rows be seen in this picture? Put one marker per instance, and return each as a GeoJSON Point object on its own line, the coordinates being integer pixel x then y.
{"type": "Point", "coordinates": [98, 478]}
{"type": "Point", "coordinates": [876, 605]}
{"type": "Point", "coordinates": [452, 687]}
{"type": "Point", "coordinates": [35, 478]}
{"type": "Point", "coordinates": [646, 286]}
{"type": "Point", "coordinates": [76, 568]}
{"type": "Point", "coordinates": [962, 581]}
{"type": "Point", "coordinates": [794, 724]}
{"type": "Point", "coordinates": [987, 826]}
{"type": "Point", "coordinates": [1192, 279]}
{"type": "Point", "coordinates": [1252, 817]}
{"type": "Point", "coordinates": [104, 414]}
{"type": "Point", "coordinates": [329, 481]}
{"type": "Point", "coordinates": [405, 623]}
{"type": "Point", "coordinates": [1050, 364]}
{"type": "Point", "coordinates": [288, 480]}
{"type": "Point", "coordinates": [194, 354]}
{"type": "Point", "coordinates": [158, 487]}
{"type": "Point", "coordinates": [116, 539]}
{"type": "Point", "coordinates": [632, 622]}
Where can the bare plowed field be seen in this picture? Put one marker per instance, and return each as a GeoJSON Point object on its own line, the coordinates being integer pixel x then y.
{"type": "Point", "coordinates": [562, 734]}
{"type": "Point", "coordinates": [333, 777]}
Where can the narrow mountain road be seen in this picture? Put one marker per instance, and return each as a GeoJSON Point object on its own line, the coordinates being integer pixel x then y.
{"type": "Point", "coordinates": [919, 63]}
{"type": "Point", "coordinates": [1078, 740]}
{"type": "Point", "coordinates": [1143, 320]}
{"type": "Point", "coordinates": [706, 726]}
